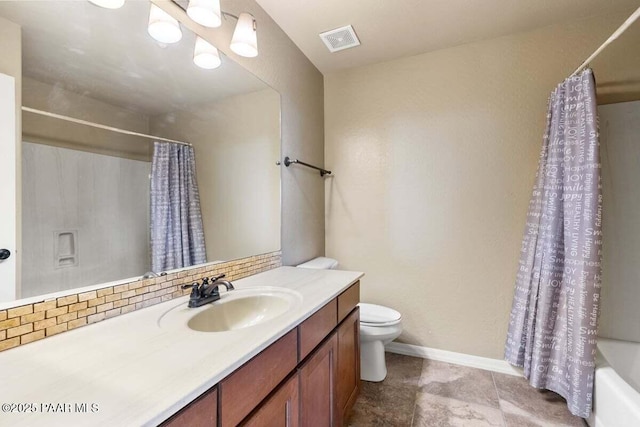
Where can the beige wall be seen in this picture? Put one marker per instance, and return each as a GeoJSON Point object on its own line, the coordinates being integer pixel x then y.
{"type": "Point", "coordinates": [50, 131]}
{"type": "Point", "coordinates": [237, 143]}
{"type": "Point", "coordinates": [434, 159]}
{"type": "Point", "coordinates": [284, 67]}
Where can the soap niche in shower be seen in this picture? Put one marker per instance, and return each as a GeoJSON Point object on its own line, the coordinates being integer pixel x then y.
{"type": "Point", "coordinates": [66, 248]}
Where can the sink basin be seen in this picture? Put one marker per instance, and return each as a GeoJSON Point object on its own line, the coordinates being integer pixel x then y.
{"type": "Point", "coordinates": [239, 313]}
{"type": "Point", "coordinates": [237, 309]}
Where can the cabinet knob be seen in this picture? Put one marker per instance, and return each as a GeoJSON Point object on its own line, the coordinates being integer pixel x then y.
{"type": "Point", "coordinates": [4, 254]}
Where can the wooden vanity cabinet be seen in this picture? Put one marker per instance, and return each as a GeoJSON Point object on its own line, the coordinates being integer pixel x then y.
{"type": "Point", "coordinates": [281, 409]}
{"type": "Point", "coordinates": [316, 328]}
{"type": "Point", "coordinates": [202, 412]}
{"type": "Point", "coordinates": [348, 300]}
{"type": "Point", "coordinates": [348, 366]}
{"type": "Point", "coordinates": [242, 391]}
{"type": "Point", "coordinates": [330, 377]}
{"type": "Point", "coordinates": [317, 386]}
{"type": "Point", "coordinates": [309, 377]}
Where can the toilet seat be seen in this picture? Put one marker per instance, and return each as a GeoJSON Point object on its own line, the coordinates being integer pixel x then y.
{"type": "Point", "coordinates": [374, 315]}
{"type": "Point", "coordinates": [380, 325]}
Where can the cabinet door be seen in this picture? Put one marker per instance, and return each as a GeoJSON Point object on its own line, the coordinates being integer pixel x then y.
{"type": "Point", "coordinates": [317, 385]}
{"type": "Point", "coordinates": [348, 385]}
{"type": "Point", "coordinates": [280, 410]}
{"type": "Point", "coordinates": [243, 390]}
{"type": "Point", "coordinates": [202, 412]}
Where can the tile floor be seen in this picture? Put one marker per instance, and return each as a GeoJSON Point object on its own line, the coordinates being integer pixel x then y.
{"type": "Point", "coordinates": [426, 393]}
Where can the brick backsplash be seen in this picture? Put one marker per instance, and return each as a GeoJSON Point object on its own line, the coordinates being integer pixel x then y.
{"type": "Point", "coordinates": [27, 323]}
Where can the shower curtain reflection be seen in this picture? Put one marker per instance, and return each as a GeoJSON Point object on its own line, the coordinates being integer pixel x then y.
{"type": "Point", "coordinates": [177, 236]}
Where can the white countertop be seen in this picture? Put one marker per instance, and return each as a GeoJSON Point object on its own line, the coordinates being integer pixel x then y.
{"type": "Point", "coordinates": [136, 373]}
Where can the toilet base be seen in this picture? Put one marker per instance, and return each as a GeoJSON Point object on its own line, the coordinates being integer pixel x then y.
{"type": "Point", "coordinates": [372, 361]}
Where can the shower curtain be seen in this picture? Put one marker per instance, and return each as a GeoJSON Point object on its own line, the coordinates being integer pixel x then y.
{"type": "Point", "coordinates": [177, 236]}
{"type": "Point", "coordinates": [554, 317]}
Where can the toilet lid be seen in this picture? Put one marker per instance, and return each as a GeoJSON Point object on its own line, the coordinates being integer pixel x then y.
{"type": "Point", "coordinates": [378, 315]}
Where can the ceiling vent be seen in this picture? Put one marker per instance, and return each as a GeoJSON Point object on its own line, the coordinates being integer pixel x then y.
{"type": "Point", "coordinates": [340, 38]}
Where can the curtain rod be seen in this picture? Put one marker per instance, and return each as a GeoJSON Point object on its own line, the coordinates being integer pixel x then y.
{"type": "Point", "coordinates": [99, 126]}
{"type": "Point", "coordinates": [635, 15]}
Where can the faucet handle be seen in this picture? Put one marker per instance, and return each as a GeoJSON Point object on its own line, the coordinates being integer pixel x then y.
{"type": "Point", "coordinates": [218, 277]}
{"type": "Point", "coordinates": [195, 289]}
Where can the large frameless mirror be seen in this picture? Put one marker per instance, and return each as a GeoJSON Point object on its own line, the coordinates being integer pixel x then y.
{"type": "Point", "coordinates": [88, 212]}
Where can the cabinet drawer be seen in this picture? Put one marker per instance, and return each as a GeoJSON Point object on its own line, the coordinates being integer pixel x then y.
{"type": "Point", "coordinates": [348, 300]}
{"type": "Point", "coordinates": [312, 331]}
{"type": "Point", "coordinates": [243, 390]}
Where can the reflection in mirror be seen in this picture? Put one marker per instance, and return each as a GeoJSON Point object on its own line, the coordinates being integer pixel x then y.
{"type": "Point", "coordinates": [86, 210]}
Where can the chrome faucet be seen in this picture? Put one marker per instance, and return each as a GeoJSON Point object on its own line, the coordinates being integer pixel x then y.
{"type": "Point", "coordinates": [207, 291]}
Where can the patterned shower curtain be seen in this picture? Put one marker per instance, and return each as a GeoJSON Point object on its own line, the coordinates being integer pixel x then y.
{"type": "Point", "coordinates": [177, 236]}
{"type": "Point", "coordinates": [554, 317]}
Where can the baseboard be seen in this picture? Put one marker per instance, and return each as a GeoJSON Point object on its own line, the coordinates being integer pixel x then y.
{"type": "Point", "coordinates": [486, 363]}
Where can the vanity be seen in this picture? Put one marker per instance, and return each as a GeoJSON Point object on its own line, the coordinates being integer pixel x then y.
{"type": "Point", "coordinates": [150, 367]}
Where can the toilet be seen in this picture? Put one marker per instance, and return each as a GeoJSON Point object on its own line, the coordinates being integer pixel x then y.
{"type": "Point", "coordinates": [379, 325]}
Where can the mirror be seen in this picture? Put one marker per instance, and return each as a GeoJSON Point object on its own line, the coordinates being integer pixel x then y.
{"type": "Point", "coordinates": [85, 190]}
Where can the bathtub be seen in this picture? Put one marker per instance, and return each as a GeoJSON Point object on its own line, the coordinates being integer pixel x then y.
{"type": "Point", "coordinates": [617, 385]}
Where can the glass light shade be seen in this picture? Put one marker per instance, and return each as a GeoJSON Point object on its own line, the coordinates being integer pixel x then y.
{"type": "Point", "coordinates": [205, 55]}
{"type": "Point", "coordinates": [108, 4]}
{"type": "Point", "coordinates": [205, 12]}
{"type": "Point", "coordinates": [162, 26]}
{"type": "Point", "coordinates": [245, 41]}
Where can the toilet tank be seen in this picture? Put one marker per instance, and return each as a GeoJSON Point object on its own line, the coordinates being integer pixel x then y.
{"type": "Point", "coordinates": [320, 263]}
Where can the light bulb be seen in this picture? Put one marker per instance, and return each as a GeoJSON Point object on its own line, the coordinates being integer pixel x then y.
{"type": "Point", "coordinates": [205, 12]}
{"type": "Point", "coordinates": [162, 26]}
{"type": "Point", "coordinates": [205, 55]}
{"type": "Point", "coordinates": [244, 41]}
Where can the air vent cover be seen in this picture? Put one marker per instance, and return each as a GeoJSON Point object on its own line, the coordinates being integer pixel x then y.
{"type": "Point", "coordinates": [340, 38]}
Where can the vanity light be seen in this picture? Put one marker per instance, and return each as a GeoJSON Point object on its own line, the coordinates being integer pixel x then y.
{"type": "Point", "coordinates": [205, 55]}
{"type": "Point", "coordinates": [108, 4]}
{"type": "Point", "coordinates": [162, 26]}
{"type": "Point", "coordinates": [205, 12]}
{"type": "Point", "coordinates": [244, 41]}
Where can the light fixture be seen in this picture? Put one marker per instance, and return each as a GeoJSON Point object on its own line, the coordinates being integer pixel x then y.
{"type": "Point", "coordinates": [162, 26]}
{"type": "Point", "coordinates": [244, 41]}
{"type": "Point", "coordinates": [205, 55]}
{"type": "Point", "coordinates": [205, 12]}
{"type": "Point", "coordinates": [108, 4]}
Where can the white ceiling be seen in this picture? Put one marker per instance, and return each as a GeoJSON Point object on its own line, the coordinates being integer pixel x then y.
{"type": "Point", "coordinates": [107, 55]}
{"type": "Point", "coordinates": [391, 29]}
